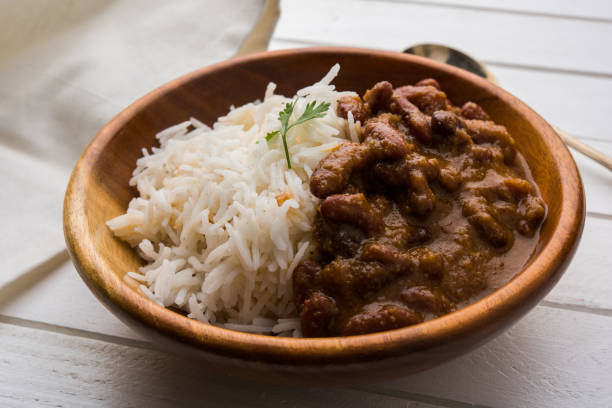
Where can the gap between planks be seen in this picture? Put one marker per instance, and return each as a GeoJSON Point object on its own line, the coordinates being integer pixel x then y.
{"type": "Point", "coordinates": [576, 308]}
{"type": "Point", "coordinates": [602, 216]}
{"type": "Point", "coordinates": [531, 13]}
{"type": "Point", "coordinates": [427, 399]}
{"type": "Point", "coordinates": [73, 332]}
{"type": "Point", "coordinates": [562, 71]}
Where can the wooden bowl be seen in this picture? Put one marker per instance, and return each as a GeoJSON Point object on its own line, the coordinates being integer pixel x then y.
{"type": "Point", "coordinates": [99, 191]}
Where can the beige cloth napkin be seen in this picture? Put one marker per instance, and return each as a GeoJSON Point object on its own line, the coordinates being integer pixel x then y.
{"type": "Point", "coordinates": [67, 67]}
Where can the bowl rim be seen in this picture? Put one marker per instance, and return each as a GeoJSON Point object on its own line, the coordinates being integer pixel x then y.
{"type": "Point", "coordinates": [535, 280]}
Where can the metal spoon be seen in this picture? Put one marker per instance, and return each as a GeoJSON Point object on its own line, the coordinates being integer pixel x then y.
{"type": "Point", "coordinates": [459, 59]}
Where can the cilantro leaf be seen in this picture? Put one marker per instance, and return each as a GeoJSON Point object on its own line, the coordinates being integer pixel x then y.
{"type": "Point", "coordinates": [312, 111]}
{"type": "Point", "coordinates": [270, 135]}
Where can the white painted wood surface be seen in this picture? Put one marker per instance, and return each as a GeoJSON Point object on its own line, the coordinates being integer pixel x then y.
{"type": "Point", "coordinates": [506, 38]}
{"type": "Point", "coordinates": [60, 347]}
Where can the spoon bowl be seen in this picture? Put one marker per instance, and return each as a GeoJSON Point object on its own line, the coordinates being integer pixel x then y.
{"type": "Point", "coordinates": [451, 56]}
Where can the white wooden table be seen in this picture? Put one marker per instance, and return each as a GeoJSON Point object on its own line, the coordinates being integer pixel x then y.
{"type": "Point", "coordinates": [60, 347]}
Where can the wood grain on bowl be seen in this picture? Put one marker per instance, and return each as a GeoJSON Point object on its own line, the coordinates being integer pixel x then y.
{"type": "Point", "coordinates": [99, 191]}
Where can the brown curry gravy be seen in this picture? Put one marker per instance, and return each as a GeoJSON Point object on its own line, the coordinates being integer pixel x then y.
{"type": "Point", "coordinates": [433, 209]}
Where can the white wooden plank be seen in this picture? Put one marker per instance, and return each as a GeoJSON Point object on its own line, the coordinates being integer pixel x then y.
{"type": "Point", "coordinates": [24, 193]}
{"type": "Point", "coordinates": [551, 358]}
{"type": "Point", "coordinates": [588, 279]}
{"type": "Point", "coordinates": [58, 296]}
{"type": "Point", "coordinates": [578, 104]}
{"type": "Point", "coordinates": [504, 37]}
{"type": "Point", "coordinates": [592, 9]}
{"type": "Point", "coordinates": [597, 179]}
{"type": "Point", "coordinates": [40, 368]}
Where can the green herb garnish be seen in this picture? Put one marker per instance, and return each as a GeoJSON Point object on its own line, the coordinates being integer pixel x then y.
{"type": "Point", "coordinates": [312, 111]}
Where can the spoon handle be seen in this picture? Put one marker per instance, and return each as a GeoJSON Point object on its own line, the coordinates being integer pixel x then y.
{"type": "Point", "coordinates": [585, 149]}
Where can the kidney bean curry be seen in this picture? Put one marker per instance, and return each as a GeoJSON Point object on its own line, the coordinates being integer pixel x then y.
{"type": "Point", "coordinates": [431, 210]}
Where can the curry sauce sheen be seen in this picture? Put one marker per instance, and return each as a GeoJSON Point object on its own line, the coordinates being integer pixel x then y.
{"type": "Point", "coordinates": [430, 211]}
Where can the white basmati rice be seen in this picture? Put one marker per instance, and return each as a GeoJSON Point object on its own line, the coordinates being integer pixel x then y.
{"type": "Point", "coordinates": [220, 219]}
